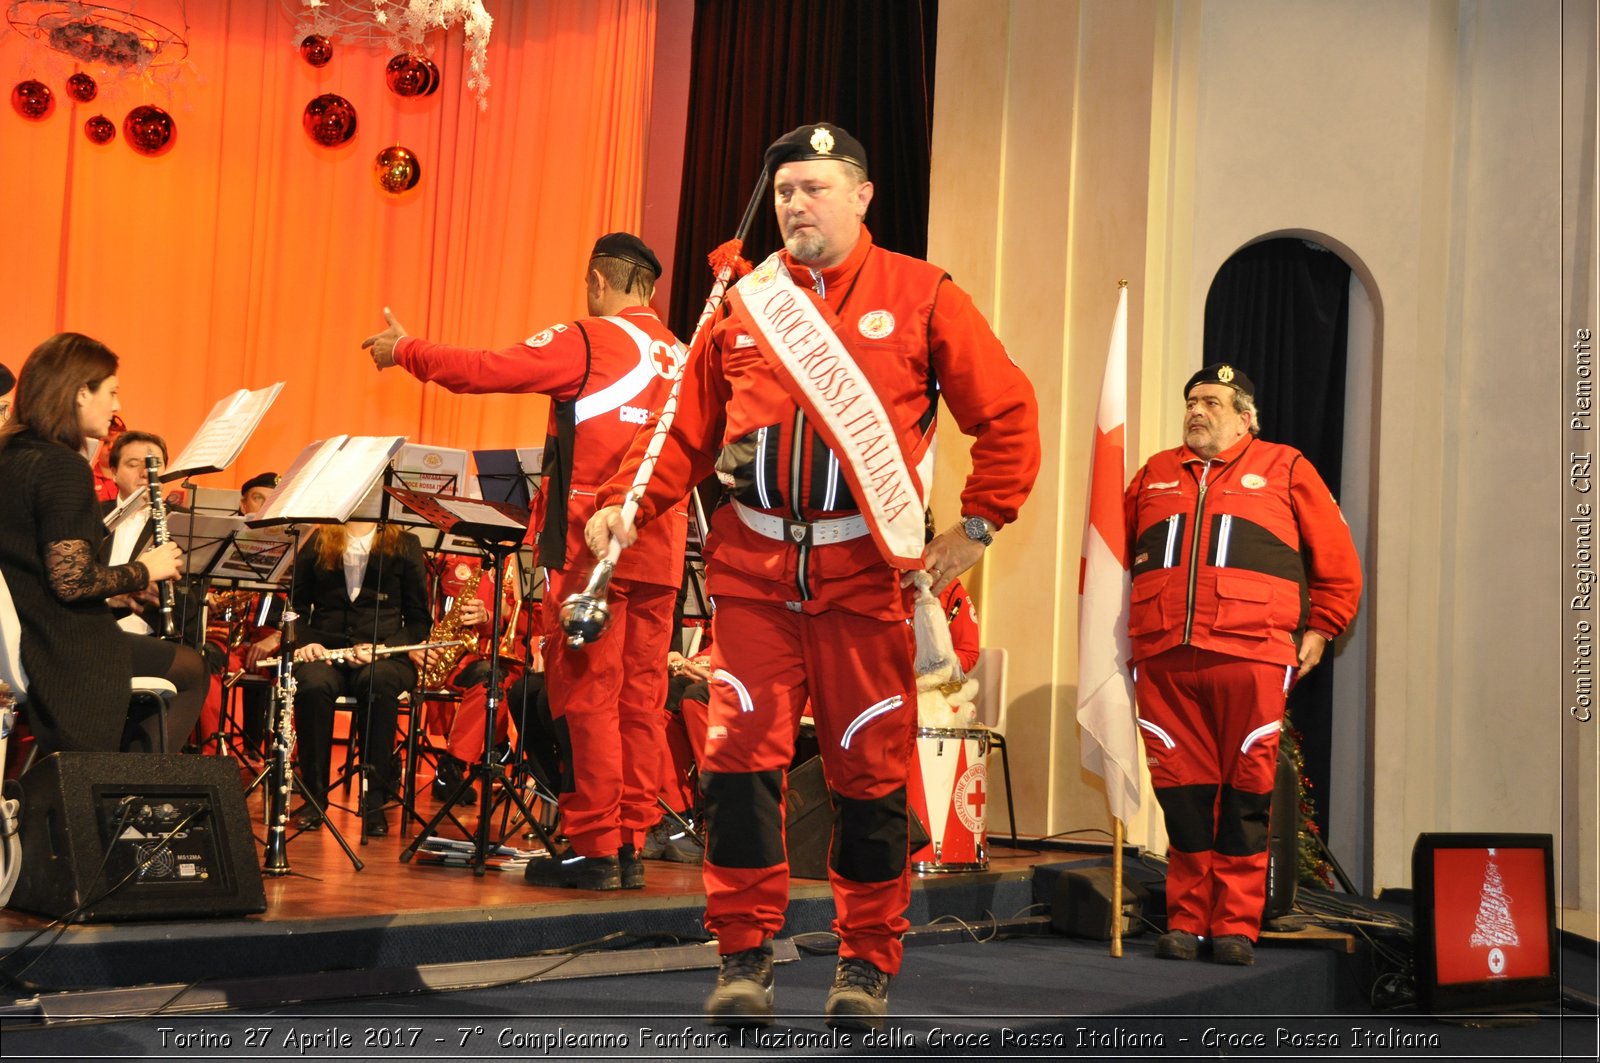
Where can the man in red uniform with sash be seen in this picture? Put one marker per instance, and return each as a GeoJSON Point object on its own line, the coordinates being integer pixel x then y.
{"type": "Point", "coordinates": [814, 399]}
{"type": "Point", "coordinates": [606, 374]}
{"type": "Point", "coordinates": [1243, 571]}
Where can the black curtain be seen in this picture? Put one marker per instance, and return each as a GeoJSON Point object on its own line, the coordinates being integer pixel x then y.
{"type": "Point", "coordinates": [759, 70]}
{"type": "Point", "coordinates": [1279, 310]}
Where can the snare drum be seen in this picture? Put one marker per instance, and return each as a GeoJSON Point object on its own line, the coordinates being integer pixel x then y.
{"type": "Point", "coordinates": [953, 765]}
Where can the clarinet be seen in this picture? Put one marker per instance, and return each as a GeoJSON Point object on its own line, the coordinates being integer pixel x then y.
{"type": "Point", "coordinates": [280, 779]}
{"type": "Point", "coordinates": [158, 515]}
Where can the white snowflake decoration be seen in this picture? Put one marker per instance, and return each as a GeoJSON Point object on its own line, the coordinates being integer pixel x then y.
{"type": "Point", "coordinates": [402, 25]}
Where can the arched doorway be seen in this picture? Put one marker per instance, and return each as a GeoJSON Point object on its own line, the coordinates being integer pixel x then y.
{"type": "Point", "coordinates": [1296, 313]}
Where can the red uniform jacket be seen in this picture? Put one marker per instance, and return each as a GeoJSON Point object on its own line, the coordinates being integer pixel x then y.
{"type": "Point", "coordinates": [1238, 555]}
{"type": "Point", "coordinates": [963, 620]}
{"type": "Point", "coordinates": [735, 413]}
{"type": "Point", "coordinates": [616, 374]}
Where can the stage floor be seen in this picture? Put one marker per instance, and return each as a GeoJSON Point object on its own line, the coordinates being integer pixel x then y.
{"type": "Point", "coordinates": [405, 961]}
{"type": "Point", "coordinates": [322, 882]}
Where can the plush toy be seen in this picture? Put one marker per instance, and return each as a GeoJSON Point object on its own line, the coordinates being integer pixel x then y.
{"type": "Point", "coordinates": [945, 697]}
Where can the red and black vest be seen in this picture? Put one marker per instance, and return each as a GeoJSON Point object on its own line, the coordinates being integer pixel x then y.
{"type": "Point", "coordinates": [1216, 556]}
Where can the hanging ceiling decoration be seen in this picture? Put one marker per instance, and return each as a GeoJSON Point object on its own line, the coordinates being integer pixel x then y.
{"type": "Point", "coordinates": [401, 26]}
{"type": "Point", "coordinates": [98, 34]}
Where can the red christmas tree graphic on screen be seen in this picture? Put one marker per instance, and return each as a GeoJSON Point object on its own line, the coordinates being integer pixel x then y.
{"type": "Point", "coordinates": [1483, 930]}
{"type": "Point", "coordinates": [1494, 929]}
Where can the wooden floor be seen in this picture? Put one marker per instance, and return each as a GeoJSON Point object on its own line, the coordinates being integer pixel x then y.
{"type": "Point", "coordinates": [322, 882]}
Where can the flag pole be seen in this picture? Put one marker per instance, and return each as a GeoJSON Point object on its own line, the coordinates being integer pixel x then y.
{"type": "Point", "coordinates": [1116, 888]}
{"type": "Point", "coordinates": [1116, 854]}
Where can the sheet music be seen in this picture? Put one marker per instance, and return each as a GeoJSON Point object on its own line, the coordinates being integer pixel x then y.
{"type": "Point", "coordinates": [257, 558]}
{"type": "Point", "coordinates": [224, 432]}
{"type": "Point", "coordinates": [202, 536]}
{"type": "Point", "coordinates": [478, 513]}
{"type": "Point", "coordinates": [327, 479]}
{"type": "Point", "coordinates": [223, 500]}
{"type": "Point", "coordinates": [433, 470]}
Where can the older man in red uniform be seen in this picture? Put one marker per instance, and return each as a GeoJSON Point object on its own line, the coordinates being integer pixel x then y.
{"type": "Point", "coordinates": [815, 399]}
{"type": "Point", "coordinates": [606, 374]}
{"type": "Point", "coordinates": [1243, 572]}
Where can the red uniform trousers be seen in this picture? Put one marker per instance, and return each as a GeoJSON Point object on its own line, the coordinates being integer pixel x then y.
{"type": "Point", "coordinates": [466, 727]}
{"type": "Point", "coordinates": [686, 737]}
{"type": "Point", "coordinates": [856, 674]}
{"type": "Point", "coordinates": [1211, 724]}
{"type": "Point", "coordinates": [606, 699]}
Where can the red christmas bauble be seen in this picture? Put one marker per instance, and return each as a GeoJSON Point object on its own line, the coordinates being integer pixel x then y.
{"type": "Point", "coordinates": [150, 130]}
{"type": "Point", "coordinates": [407, 75]}
{"type": "Point", "coordinates": [82, 88]}
{"type": "Point", "coordinates": [100, 129]}
{"type": "Point", "coordinates": [330, 120]}
{"type": "Point", "coordinates": [33, 100]}
{"type": "Point", "coordinates": [398, 170]}
{"type": "Point", "coordinates": [316, 50]}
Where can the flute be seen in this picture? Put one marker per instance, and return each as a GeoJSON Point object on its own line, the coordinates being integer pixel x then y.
{"type": "Point", "coordinates": [380, 650]}
{"type": "Point", "coordinates": [158, 516]}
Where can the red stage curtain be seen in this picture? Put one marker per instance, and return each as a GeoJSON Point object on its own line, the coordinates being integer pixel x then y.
{"type": "Point", "coordinates": [249, 254]}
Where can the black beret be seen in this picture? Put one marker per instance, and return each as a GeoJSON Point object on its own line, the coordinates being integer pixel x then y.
{"type": "Point", "coordinates": [1224, 374]}
{"type": "Point", "coordinates": [6, 380]}
{"type": "Point", "coordinates": [266, 479]}
{"type": "Point", "coordinates": [629, 248]}
{"type": "Point", "coordinates": [818, 140]}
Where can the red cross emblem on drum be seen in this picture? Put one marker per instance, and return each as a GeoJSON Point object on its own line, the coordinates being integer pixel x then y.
{"type": "Point", "coordinates": [971, 793]}
{"type": "Point", "coordinates": [665, 359]}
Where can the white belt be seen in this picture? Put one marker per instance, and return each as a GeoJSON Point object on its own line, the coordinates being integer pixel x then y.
{"type": "Point", "coordinates": [801, 533]}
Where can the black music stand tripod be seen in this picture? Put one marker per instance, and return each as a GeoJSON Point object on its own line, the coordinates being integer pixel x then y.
{"type": "Point", "coordinates": [498, 542]}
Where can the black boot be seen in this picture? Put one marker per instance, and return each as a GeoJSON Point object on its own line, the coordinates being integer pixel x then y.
{"type": "Point", "coordinates": [449, 772]}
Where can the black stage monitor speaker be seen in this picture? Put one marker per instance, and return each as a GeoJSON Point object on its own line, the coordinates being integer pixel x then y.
{"type": "Point", "coordinates": [95, 830]}
{"type": "Point", "coordinates": [808, 821]}
{"type": "Point", "coordinates": [1081, 906]}
{"type": "Point", "coordinates": [1283, 841]}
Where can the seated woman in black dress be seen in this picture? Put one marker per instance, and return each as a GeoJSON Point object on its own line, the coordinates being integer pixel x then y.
{"type": "Point", "coordinates": [353, 587]}
{"type": "Point", "coordinates": [78, 662]}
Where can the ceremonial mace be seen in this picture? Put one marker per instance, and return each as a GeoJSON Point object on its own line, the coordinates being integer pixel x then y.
{"type": "Point", "coordinates": [585, 615]}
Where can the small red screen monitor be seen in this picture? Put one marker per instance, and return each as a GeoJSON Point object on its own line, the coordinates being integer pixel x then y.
{"type": "Point", "coordinates": [1485, 921]}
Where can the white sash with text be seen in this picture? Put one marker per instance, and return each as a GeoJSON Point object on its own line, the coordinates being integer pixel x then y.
{"type": "Point", "coordinates": [819, 371]}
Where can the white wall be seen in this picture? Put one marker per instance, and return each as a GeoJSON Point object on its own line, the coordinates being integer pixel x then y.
{"type": "Point", "coordinates": [1422, 140]}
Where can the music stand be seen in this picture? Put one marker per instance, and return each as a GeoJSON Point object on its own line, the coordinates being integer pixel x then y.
{"type": "Point", "coordinates": [252, 559]}
{"type": "Point", "coordinates": [509, 475]}
{"type": "Point", "coordinates": [499, 529]}
{"type": "Point", "coordinates": [326, 481]}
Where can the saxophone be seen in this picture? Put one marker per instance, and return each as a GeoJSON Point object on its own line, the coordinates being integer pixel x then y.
{"type": "Point", "coordinates": [449, 629]}
{"type": "Point", "coordinates": [511, 590]}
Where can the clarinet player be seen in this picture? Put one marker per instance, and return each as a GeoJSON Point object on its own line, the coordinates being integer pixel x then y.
{"type": "Point", "coordinates": [78, 663]}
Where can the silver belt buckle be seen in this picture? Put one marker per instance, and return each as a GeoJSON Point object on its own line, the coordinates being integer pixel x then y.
{"type": "Point", "coordinates": [797, 532]}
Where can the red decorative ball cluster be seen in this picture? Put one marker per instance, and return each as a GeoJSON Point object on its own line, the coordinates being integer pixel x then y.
{"type": "Point", "coordinates": [412, 75]}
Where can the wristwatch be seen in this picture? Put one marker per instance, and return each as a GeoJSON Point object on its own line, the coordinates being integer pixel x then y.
{"type": "Point", "coordinates": [978, 530]}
